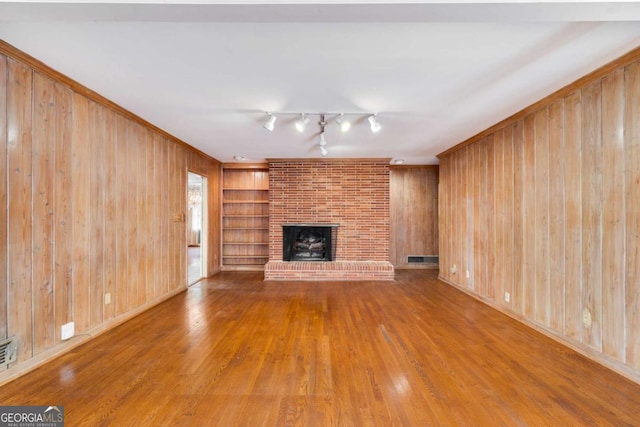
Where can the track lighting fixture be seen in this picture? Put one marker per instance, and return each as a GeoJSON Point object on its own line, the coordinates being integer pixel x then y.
{"type": "Point", "coordinates": [302, 122]}
{"type": "Point", "coordinates": [375, 126]}
{"type": "Point", "coordinates": [323, 140]}
{"type": "Point", "coordinates": [341, 120]}
{"type": "Point", "coordinates": [270, 123]}
{"type": "Point", "coordinates": [344, 124]}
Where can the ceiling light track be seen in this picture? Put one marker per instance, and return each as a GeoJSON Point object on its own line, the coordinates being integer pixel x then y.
{"type": "Point", "coordinates": [341, 121]}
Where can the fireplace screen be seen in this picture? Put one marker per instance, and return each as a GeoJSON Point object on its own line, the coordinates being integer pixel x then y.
{"type": "Point", "coordinates": [306, 243]}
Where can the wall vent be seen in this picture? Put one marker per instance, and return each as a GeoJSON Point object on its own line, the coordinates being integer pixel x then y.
{"type": "Point", "coordinates": [422, 259]}
{"type": "Point", "coordinates": [8, 351]}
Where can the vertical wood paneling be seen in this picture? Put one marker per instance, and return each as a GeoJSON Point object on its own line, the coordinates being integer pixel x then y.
{"type": "Point", "coordinates": [466, 212]}
{"type": "Point", "coordinates": [507, 259]}
{"type": "Point", "coordinates": [497, 255]}
{"type": "Point", "coordinates": [81, 213]}
{"type": "Point", "coordinates": [97, 210]}
{"type": "Point", "coordinates": [142, 243]}
{"type": "Point", "coordinates": [529, 216]}
{"type": "Point", "coordinates": [181, 232]}
{"type": "Point", "coordinates": [488, 220]}
{"type": "Point", "coordinates": [111, 213]}
{"type": "Point", "coordinates": [613, 217]}
{"type": "Point", "coordinates": [4, 208]}
{"type": "Point", "coordinates": [156, 216]}
{"type": "Point", "coordinates": [444, 194]}
{"type": "Point", "coordinates": [43, 159]}
{"type": "Point", "coordinates": [448, 216]}
{"type": "Point", "coordinates": [517, 297]}
{"type": "Point", "coordinates": [19, 151]}
{"type": "Point", "coordinates": [214, 184]}
{"type": "Point", "coordinates": [84, 211]}
{"type": "Point", "coordinates": [173, 177]}
{"type": "Point", "coordinates": [132, 162]}
{"type": "Point", "coordinates": [477, 250]}
{"type": "Point", "coordinates": [632, 212]}
{"type": "Point", "coordinates": [123, 199]}
{"type": "Point", "coordinates": [63, 200]}
{"type": "Point", "coordinates": [557, 223]}
{"type": "Point", "coordinates": [396, 207]}
{"type": "Point", "coordinates": [165, 219]}
{"type": "Point", "coordinates": [564, 188]}
{"type": "Point", "coordinates": [592, 215]}
{"type": "Point", "coordinates": [413, 193]}
{"type": "Point", "coordinates": [541, 207]}
{"type": "Point", "coordinates": [573, 216]}
{"type": "Point", "coordinates": [149, 221]}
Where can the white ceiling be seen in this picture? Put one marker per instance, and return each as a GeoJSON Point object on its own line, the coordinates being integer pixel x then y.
{"type": "Point", "coordinates": [436, 72]}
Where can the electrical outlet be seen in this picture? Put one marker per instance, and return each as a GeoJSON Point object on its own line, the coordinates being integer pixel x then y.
{"type": "Point", "coordinates": [468, 274]}
{"type": "Point", "coordinates": [507, 297]}
{"type": "Point", "coordinates": [107, 298]}
{"type": "Point", "coordinates": [454, 268]}
{"type": "Point", "coordinates": [67, 331]}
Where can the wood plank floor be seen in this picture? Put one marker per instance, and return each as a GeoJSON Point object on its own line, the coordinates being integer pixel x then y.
{"type": "Point", "coordinates": [237, 351]}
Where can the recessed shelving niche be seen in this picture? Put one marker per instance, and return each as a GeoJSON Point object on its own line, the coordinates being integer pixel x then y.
{"type": "Point", "coordinates": [245, 217]}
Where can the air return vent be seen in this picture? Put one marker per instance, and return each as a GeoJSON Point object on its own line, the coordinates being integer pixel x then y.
{"type": "Point", "coordinates": [422, 259]}
{"type": "Point", "coordinates": [8, 351]}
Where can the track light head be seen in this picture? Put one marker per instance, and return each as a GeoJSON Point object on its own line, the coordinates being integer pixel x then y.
{"type": "Point", "coordinates": [345, 125]}
{"type": "Point", "coordinates": [323, 140]}
{"type": "Point", "coordinates": [302, 122]}
{"type": "Point", "coordinates": [375, 126]}
{"type": "Point", "coordinates": [270, 123]}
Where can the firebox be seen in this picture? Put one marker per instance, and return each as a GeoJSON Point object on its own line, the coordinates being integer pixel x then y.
{"type": "Point", "coordinates": [307, 242]}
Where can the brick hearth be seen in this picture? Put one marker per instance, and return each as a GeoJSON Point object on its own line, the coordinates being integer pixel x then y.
{"type": "Point", "coordinates": [353, 193]}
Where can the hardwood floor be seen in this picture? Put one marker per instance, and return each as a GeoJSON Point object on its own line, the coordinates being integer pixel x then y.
{"type": "Point", "coordinates": [194, 264]}
{"type": "Point", "coordinates": [237, 351]}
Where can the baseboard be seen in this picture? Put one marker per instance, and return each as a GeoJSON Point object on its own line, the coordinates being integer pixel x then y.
{"type": "Point", "coordinates": [583, 349]}
{"type": "Point", "coordinates": [70, 344]}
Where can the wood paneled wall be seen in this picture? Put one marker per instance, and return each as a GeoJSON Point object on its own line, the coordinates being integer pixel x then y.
{"type": "Point", "coordinates": [414, 213]}
{"type": "Point", "coordinates": [88, 196]}
{"type": "Point", "coordinates": [546, 207]}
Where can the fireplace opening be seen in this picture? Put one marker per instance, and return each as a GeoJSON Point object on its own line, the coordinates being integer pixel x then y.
{"type": "Point", "coordinates": [307, 243]}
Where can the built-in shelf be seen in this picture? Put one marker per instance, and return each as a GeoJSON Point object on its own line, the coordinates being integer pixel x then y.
{"type": "Point", "coordinates": [245, 217]}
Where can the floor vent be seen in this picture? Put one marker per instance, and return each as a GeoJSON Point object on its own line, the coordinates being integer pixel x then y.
{"type": "Point", "coordinates": [8, 351]}
{"type": "Point", "coordinates": [422, 259]}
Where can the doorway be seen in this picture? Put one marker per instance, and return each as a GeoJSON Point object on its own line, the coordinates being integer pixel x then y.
{"type": "Point", "coordinates": [196, 227]}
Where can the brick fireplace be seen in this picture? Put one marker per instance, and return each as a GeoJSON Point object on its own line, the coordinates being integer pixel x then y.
{"type": "Point", "coordinates": [350, 194]}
